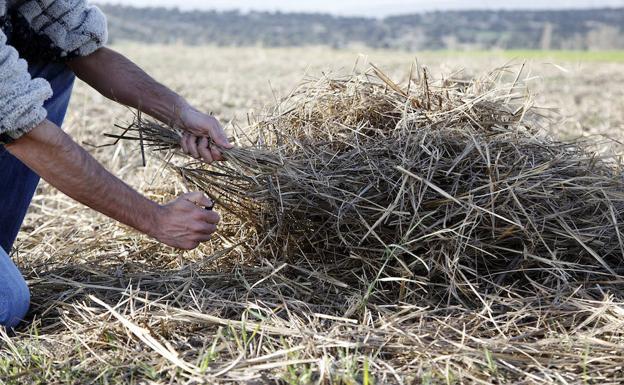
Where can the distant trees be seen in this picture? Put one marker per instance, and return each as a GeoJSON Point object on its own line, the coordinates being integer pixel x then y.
{"type": "Point", "coordinates": [566, 29]}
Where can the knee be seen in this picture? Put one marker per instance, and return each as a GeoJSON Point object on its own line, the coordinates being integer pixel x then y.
{"type": "Point", "coordinates": [14, 303]}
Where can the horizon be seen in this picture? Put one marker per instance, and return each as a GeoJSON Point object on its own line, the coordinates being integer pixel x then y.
{"type": "Point", "coordinates": [369, 8]}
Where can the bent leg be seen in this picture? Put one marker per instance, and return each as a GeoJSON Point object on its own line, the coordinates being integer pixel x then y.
{"type": "Point", "coordinates": [17, 182]}
{"type": "Point", "coordinates": [14, 293]}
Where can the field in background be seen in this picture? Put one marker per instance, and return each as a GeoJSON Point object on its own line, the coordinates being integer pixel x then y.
{"type": "Point", "coordinates": [616, 56]}
{"type": "Point", "coordinates": [584, 87]}
{"type": "Point", "coordinates": [69, 252]}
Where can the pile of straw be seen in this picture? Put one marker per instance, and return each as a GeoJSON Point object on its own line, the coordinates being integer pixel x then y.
{"type": "Point", "coordinates": [448, 188]}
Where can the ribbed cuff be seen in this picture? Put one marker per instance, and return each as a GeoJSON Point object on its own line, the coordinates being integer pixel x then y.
{"type": "Point", "coordinates": [36, 117]}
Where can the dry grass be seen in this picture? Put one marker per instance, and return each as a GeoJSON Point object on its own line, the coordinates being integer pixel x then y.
{"type": "Point", "coordinates": [114, 307]}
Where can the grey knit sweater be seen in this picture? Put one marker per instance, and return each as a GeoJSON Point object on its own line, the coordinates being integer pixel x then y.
{"type": "Point", "coordinates": [52, 30]}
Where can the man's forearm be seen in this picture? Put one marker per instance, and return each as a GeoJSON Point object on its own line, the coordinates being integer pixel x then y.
{"type": "Point", "coordinates": [53, 155]}
{"type": "Point", "coordinates": [117, 78]}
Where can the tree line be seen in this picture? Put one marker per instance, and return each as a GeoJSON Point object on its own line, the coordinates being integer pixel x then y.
{"type": "Point", "coordinates": [556, 29]}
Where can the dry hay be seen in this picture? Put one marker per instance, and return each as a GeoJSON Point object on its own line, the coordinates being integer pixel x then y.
{"type": "Point", "coordinates": [449, 189]}
{"type": "Point", "coordinates": [429, 233]}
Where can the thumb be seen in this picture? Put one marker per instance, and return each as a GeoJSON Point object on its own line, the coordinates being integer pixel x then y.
{"type": "Point", "coordinates": [218, 136]}
{"type": "Point", "coordinates": [222, 140]}
{"type": "Point", "coordinates": [199, 198]}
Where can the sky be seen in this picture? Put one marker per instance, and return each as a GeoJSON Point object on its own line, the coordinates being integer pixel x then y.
{"type": "Point", "coordinates": [371, 8]}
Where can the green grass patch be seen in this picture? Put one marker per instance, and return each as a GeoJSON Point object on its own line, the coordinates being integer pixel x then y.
{"type": "Point", "coordinates": [556, 55]}
{"type": "Point", "coordinates": [605, 56]}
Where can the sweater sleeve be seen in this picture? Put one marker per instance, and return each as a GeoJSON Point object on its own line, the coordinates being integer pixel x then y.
{"type": "Point", "coordinates": [21, 98]}
{"type": "Point", "coordinates": [58, 29]}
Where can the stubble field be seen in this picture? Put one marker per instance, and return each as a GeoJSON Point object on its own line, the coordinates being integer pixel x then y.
{"type": "Point", "coordinates": [111, 306]}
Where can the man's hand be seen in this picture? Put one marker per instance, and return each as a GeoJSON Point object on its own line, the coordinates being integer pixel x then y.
{"type": "Point", "coordinates": [117, 78]}
{"type": "Point", "coordinates": [52, 154]}
{"type": "Point", "coordinates": [185, 222]}
{"type": "Point", "coordinates": [204, 135]}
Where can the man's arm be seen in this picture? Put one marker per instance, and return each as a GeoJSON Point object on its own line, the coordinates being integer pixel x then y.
{"type": "Point", "coordinates": [119, 79]}
{"type": "Point", "coordinates": [53, 155]}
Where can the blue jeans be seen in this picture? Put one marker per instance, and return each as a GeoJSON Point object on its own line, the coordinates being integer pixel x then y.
{"type": "Point", "coordinates": [17, 187]}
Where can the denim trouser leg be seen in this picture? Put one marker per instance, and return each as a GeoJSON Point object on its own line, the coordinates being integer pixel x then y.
{"type": "Point", "coordinates": [18, 182]}
{"type": "Point", "coordinates": [14, 293]}
{"type": "Point", "coordinates": [17, 187]}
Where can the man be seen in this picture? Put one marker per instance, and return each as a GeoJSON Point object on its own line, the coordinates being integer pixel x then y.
{"type": "Point", "coordinates": [60, 39]}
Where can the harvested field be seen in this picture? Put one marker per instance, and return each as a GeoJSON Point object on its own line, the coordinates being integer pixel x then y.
{"type": "Point", "coordinates": [111, 306]}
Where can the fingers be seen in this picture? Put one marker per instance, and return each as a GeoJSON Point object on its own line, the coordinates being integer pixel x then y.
{"type": "Point", "coordinates": [199, 125]}
{"type": "Point", "coordinates": [204, 150]}
{"type": "Point", "coordinates": [200, 148]}
{"type": "Point", "coordinates": [216, 153]}
{"type": "Point", "coordinates": [183, 144]}
{"type": "Point", "coordinates": [205, 216]}
{"type": "Point", "coordinates": [185, 223]}
{"type": "Point", "coordinates": [210, 217]}
{"type": "Point", "coordinates": [198, 198]}
{"type": "Point", "coordinates": [189, 145]}
{"type": "Point", "coordinates": [205, 231]}
{"type": "Point", "coordinates": [217, 133]}
{"type": "Point", "coordinates": [203, 225]}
